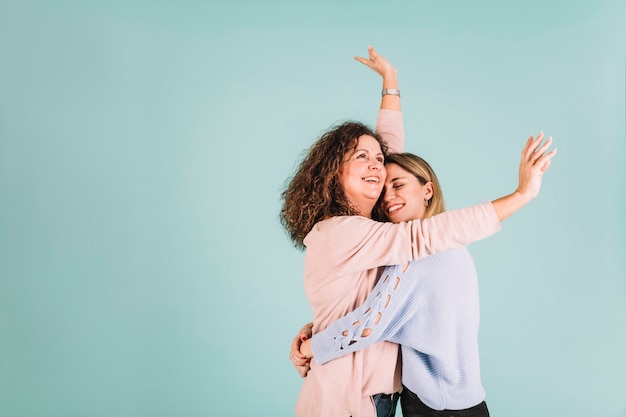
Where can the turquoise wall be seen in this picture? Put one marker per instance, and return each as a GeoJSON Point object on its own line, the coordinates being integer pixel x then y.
{"type": "Point", "coordinates": [143, 147]}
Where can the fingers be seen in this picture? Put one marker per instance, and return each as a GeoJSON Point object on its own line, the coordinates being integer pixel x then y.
{"type": "Point", "coordinates": [297, 358]}
{"type": "Point", "coordinates": [545, 166]}
{"type": "Point", "coordinates": [372, 53]}
{"type": "Point", "coordinates": [535, 149]}
{"type": "Point", "coordinates": [300, 362]}
{"type": "Point", "coordinates": [363, 61]}
{"type": "Point", "coordinates": [535, 153]}
{"type": "Point", "coordinates": [303, 370]}
{"type": "Point", "coordinates": [302, 365]}
{"type": "Point", "coordinates": [540, 156]}
{"type": "Point", "coordinates": [545, 160]}
{"type": "Point", "coordinates": [374, 59]}
{"type": "Point", "coordinates": [306, 331]}
{"type": "Point", "coordinates": [532, 145]}
{"type": "Point", "coordinates": [536, 159]}
{"type": "Point", "coordinates": [543, 147]}
{"type": "Point", "coordinates": [367, 61]}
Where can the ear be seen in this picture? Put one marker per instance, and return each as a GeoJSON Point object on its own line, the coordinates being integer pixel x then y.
{"type": "Point", "coordinates": [428, 190]}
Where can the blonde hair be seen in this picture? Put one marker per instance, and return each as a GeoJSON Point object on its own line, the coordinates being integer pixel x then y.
{"type": "Point", "coordinates": [424, 173]}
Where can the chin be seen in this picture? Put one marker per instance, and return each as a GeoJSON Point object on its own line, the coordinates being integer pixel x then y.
{"type": "Point", "coordinates": [403, 218]}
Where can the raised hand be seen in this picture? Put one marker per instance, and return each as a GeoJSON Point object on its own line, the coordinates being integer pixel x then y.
{"type": "Point", "coordinates": [377, 63]}
{"type": "Point", "coordinates": [534, 162]}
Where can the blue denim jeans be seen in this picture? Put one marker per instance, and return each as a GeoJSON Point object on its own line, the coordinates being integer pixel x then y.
{"type": "Point", "coordinates": [385, 404]}
{"type": "Point", "coordinates": [412, 406]}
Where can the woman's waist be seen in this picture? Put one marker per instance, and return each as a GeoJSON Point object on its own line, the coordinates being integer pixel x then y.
{"type": "Point", "coordinates": [375, 369]}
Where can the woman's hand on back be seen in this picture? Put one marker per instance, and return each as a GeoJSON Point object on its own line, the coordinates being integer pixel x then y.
{"type": "Point", "coordinates": [301, 362]}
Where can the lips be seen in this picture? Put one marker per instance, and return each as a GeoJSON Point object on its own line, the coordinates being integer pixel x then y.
{"type": "Point", "coordinates": [393, 208]}
{"type": "Point", "coordinates": [372, 179]}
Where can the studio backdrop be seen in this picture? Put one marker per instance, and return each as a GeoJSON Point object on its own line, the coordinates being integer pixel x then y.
{"type": "Point", "coordinates": [144, 146]}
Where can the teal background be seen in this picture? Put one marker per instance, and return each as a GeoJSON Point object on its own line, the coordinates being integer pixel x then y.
{"type": "Point", "coordinates": [143, 147]}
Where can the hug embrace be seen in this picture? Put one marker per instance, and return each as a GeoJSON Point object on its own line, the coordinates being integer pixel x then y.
{"type": "Point", "coordinates": [392, 286]}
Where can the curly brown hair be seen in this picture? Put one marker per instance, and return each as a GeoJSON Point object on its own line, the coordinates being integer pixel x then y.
{"type": "Point", "coordinates": [315, 192]}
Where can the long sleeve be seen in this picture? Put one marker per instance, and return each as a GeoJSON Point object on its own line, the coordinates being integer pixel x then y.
{"type": "Point", "coordinates": [381, 315]}
{"type": "Point", "coordinates": [390, 126]}
{"type": "Point", "coordinates": [431, 308]}
{"type": "Point", "coordinates": [354, 243]}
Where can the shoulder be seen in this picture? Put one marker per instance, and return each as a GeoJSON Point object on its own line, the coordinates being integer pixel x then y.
{"type": "Point", "coordinates": [449, 260]}
{"type": "Point", "coordinates": [343, 223]}
{"type": "Point", "coordinates": [339, 226]}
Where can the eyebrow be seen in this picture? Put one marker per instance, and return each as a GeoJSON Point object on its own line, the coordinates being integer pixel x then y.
{"type": "Point", "coordinates": [366, 150]}
{"type": "Point", "coordinates": [397, 178]}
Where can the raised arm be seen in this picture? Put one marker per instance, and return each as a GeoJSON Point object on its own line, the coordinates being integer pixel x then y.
{"type": "Point", "coordinates": [358, 243]}
{"type": "Point", "coordinates": [390, 126]}
{"type": "Point", "coordinates": [389, 123]}
{"type": "Point", "coordinates": [391, 88]}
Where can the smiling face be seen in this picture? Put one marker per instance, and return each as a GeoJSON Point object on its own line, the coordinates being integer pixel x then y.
{"type": "Point", "coordinates": [405, 196]}
{"type": "Point", "coordinates": [363, 175]}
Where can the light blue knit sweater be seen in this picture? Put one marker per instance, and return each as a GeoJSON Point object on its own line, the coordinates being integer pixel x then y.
{"type": "Point", "coordinates": [432, 310]}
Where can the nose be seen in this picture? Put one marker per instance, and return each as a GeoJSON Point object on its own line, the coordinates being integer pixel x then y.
{"type": "Point", "coordinates": [376, 165]}
{"type": "Point", "coordinates": [379, 166]}
{"type": "Point", "coordinates": [388, 194]}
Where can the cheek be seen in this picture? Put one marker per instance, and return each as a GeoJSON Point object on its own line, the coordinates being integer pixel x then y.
{"type": "Point", "coordinates": [414, 202]}
{"type": "Point", "coordinates": [342, 176]}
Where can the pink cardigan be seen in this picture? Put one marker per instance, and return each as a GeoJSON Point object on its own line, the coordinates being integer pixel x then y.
{"type": "Point", "coordinates": [343, 260]}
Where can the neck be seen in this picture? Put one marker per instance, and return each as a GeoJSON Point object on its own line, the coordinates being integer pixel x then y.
{"type": "Point", "coordinates": [365, 213]}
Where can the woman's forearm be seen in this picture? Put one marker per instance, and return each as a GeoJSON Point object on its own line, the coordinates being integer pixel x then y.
{"type": "Point", "coordinates": [509, 204]}
{"type": "Point", "coordinates": [390, 83]}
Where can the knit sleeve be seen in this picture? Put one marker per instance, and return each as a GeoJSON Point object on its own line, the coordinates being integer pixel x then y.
{"type": "Point", "coordinates": [380, 318]}
{"type": "Point", "coordinates": [391, 127]}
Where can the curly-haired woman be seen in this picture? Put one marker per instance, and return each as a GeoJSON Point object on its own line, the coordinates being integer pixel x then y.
{"type": "Point", "coordinates": [327, 210]}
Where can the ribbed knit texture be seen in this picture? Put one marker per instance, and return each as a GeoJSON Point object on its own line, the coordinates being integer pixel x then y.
{"type": "Point", "coordinates": [432, 311]}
